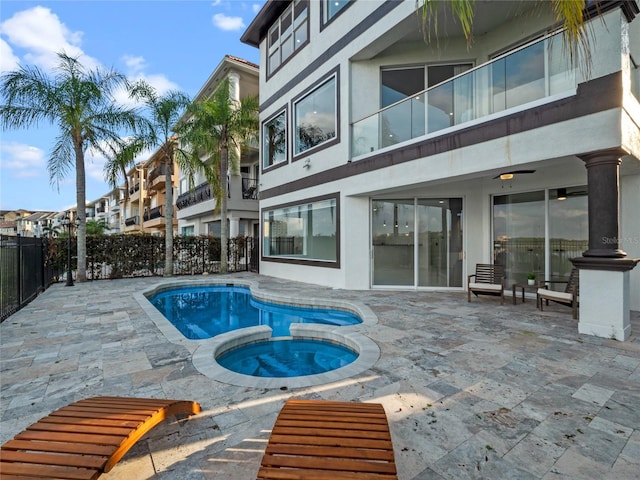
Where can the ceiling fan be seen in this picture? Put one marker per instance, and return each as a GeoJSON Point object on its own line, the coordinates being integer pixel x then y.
{"type": "Point", "coordinates": [510, 175]}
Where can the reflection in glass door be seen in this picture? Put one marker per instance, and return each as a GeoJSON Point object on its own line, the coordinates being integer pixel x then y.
{"type": "Point", "coordinates": [519, 239]}
{"type": "Point", "coordinates": [417, 242]}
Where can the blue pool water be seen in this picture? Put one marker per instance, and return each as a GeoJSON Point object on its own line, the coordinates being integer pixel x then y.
{"type": "Point", "coordinates": [287, 358]}
{"type": "Point", "coordinates": [201, 312]}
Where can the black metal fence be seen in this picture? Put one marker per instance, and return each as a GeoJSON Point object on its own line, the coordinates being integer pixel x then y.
{"type": "Point", "coordinates": [24, 271]}
{"type": "Point", "coordinates": [29, 265]}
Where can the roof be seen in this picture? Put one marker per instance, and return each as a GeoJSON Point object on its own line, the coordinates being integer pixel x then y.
{"type": "Point", "coordinates": [258, 28]}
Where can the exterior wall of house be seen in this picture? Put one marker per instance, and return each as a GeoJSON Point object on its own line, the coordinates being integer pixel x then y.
{"type": "Point", "coordinates": [460, 161]}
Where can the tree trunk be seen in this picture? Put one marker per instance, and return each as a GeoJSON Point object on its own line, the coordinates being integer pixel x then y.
{"type": "Point", "coordinates": [81, 205]}
{"type": "Point", "coordinates": [224, 231]}
{"type": "Point", "coordinates": [168, 213]}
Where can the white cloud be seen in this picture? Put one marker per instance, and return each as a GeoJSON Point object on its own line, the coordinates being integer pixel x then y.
{"type": "Point", "coordinates": [8, 61]}
{"type": "Point", "coordinates": [21, 160]}
{"type": "Point", "coordinates": [224, 22]}
{"type": "Point", "coordinates": [41, 33]}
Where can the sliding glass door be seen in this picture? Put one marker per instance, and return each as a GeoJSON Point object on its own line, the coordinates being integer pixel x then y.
{"type": "Point", "coordinates": [417, 242]}
{"type": "Point", "coordinates": [538, 233]}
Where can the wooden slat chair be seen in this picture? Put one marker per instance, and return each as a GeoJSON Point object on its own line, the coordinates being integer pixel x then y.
{"type": "Point", "coordinates": [488, 280]}
{"type": "Point", "coordinates": [85, 439]}
{"type": "Point", "coordinates": [569, 297]}
{"type": "Point", "coordinates": [318, 439]}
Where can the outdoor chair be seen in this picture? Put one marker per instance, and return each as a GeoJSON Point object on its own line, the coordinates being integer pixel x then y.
{"type": "Point", "coordinates": [315, 439]}
{"type": "Point", "coordinates": [488, 280]}
{"type": "Point", "coordinates": [569, 297]}
{"type": "Point", "coordinates": [85, 439]}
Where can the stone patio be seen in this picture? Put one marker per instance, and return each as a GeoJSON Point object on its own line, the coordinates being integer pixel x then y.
{"type": "Point", "coordinates": [472, 390]}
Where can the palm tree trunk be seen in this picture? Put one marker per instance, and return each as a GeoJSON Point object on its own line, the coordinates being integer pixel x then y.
{"type": "Point", "coordinates": [168, 214]}
{"type": "Point", "coordinates": [224, 232]}
{"type": "Point", "coordinates": [81, 205]}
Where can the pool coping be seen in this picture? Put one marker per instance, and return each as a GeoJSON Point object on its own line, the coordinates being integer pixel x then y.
{"type": "Point", "coordinates": [204, 351]}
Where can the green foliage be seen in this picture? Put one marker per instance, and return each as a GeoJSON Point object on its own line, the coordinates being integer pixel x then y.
{"type": "Point", "coordinates": [96, 227]}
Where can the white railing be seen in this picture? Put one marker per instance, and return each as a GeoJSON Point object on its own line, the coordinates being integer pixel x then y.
{"type": "Point", "coordinates": [530, 73]}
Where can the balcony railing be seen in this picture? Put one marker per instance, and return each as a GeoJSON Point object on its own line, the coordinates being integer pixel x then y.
{"type": "Point", "coordinates": [131, 221]}
{"type": "Point", "coordinates": [200, 194]}
{"type": "Point", "coordinates": [249, 188]}
{"type": "Point", "coordinates": [155, 212]}
{"type": "Point", "coordinates": [134, 188]}
{"type": "Point", "coordinates": [156, 172]}
{"type": "Point", "coordinates": [533, 72]}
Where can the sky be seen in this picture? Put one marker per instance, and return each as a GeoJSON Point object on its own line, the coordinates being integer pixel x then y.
{"type": "Point", "coordinates": [172, 44]}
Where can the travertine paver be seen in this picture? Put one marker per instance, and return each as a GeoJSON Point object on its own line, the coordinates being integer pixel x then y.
{"type": "Point", "coordinates": [472, 390]}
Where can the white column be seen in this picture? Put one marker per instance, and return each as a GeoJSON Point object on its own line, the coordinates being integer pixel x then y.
{"type": "Point", "coordinates": [234, 227]}
{"type": "Point", "coordinates": [604, 304]}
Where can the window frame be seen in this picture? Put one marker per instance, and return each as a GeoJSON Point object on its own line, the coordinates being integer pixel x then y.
{"type": "Point", "coordinates": [267, 168]}
{"type": "Point", "coordinates": [302, 261]}
{"type": "Point", "coordinates": [274, 47]}
{"type": "Point", "coordinates": [324, 21]}
{"type": "Point", "coordinates": [333, 74]}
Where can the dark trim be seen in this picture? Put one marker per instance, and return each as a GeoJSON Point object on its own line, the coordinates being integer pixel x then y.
{"type": "Point", "coordinates": [595, 96]}
{"type": "Point", "coordinates": [314, 263]}
{"type": "Point", "coordinates": [629, 8]}
{"type": "Point", "coordinates": [331, 51]}
{"type": "Point", "coordinates": [610, 264]}
{"type": "Point", "coordinates": [284, 109]}
{"type": "Point", "coordinates": [321, 146]}
{"type": "Point", "coordinates": [324, 25]}
{"type": "Point", "coordinates": [260, 25]}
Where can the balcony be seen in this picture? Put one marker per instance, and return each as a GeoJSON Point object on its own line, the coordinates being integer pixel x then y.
{"type": "Point", "coordinates": [200, 194]}
{"type": "Point", "coordinates": [531, 73]}
{"type": "Point", "coordinates": [132, 221]}
{"type": "Point", "coordinates": [157, 177]}
{"type": "Point", "coordinates": [155, 212]}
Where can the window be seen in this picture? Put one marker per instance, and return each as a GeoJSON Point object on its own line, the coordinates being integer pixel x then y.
{"type": "Point", "coordinates": [316, 119]}
{"type": "Point", "coordinates": [288, 34]}
{"type": "Point", "coordinates": [274, 140]}
{"type": "Point", "coordinates": [331, 9]}
{"type": "Point", "coordinates": [306, 231]}
{"type": "Point", "coordinates": [188, 231]}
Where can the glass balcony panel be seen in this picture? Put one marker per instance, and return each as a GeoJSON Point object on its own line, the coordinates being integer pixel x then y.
{"type": "Point", "coordinates": [532, 73]}
{"type": "Point", "coordinates": [525, 75]}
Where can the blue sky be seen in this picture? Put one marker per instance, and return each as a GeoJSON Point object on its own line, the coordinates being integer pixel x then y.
{"type": "Point", "coordinates": [171, 44]}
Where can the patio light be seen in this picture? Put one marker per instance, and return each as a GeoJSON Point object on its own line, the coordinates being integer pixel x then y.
{"type": "Point", "coordinates": [68, 224]}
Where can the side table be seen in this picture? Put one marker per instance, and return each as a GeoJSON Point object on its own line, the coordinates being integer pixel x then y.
{"type": "Point", "coordinates": [523, 287]}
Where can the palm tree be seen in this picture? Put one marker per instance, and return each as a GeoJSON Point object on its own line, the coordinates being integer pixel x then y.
{"type": "Point", "coordinates": [121, 157]}
{"type": "Point", "coordinates": [164, 112]}
{"type": "Point", "coordinates": [214, 131]}
{"type": "Point", "coordinates": [568, 13]}
{"type": "Point", "coordinates": [80, 103]}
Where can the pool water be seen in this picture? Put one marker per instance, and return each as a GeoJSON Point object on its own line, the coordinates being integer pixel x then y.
{"type": "Point", "coordinates": [288, 358]}
{"type": "Point", "coordinates": [201, 312]}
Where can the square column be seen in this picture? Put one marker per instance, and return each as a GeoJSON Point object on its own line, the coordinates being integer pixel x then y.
{"type": "Point", "coordinates": [604, 304]}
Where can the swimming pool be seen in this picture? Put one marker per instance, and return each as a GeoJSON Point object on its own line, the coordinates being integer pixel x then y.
{"type": "Point", "coordinates": [201, 312]}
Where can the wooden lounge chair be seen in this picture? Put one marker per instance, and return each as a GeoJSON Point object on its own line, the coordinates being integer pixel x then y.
{"type": "Point", "coordinates": [85, 439]}
{"type": "Point", "coordinates": [317, 439]}
{"type": "Point", "coordinates": [488, 280]}
{"type": "Point", "coordinates": [570, 297]}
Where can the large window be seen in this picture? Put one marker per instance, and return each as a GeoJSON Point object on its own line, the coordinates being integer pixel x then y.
{"type": "Point", "coordinates": [315, 116]}
{"type": "Point", "coordinates": [274, 140]}
{"type": "Point", "coordinates": [306, 231]}
{"type": "Point", "coordinates": [288, 34]}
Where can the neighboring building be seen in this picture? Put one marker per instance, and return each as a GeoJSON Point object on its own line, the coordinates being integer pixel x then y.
{"type": "Point", "coordinates": [143, 209]}
{"type": "Point", "coordinates": [9, 220]}
{"type": "Point", "coordinates": [389, 163]}
{"type": "Point", "coordinates": [196, 203]}
{"type": "Point", "coordinates": [38, 224]}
